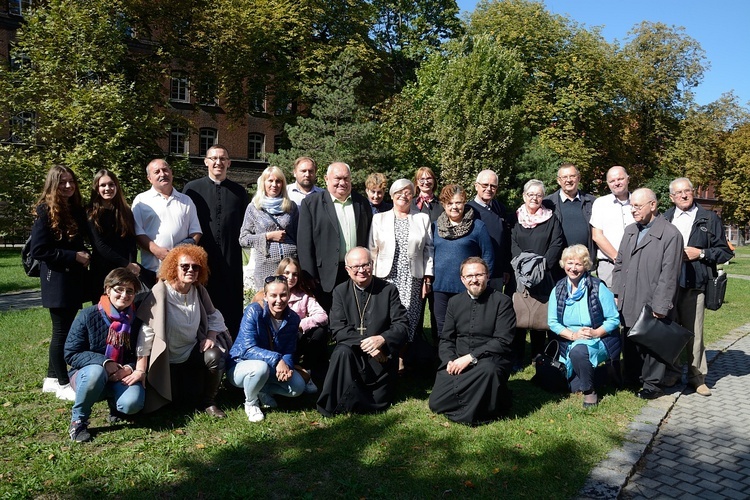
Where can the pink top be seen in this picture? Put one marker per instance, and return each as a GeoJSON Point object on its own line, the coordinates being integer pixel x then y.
{"type": "Point", "coordinates": [308, 309]}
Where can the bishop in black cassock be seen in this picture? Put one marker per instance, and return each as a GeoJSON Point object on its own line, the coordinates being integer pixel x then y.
{"type": "Point", "coordinates": [369, 325]}
{"type": "Point", "coordinates": [221, 205]}
{"type": "Point", "coordinates": [475, 354]}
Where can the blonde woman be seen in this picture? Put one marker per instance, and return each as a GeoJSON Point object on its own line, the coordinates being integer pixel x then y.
{"type": "Point", "coordinates": [270, 224]}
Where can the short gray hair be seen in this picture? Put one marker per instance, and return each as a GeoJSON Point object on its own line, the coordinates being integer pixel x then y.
{"type": "Point", "coordinates": [534, 182]}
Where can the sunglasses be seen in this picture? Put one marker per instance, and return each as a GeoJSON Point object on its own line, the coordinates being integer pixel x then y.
{"type": "Point", "coordinates": [271, 279]}
{"type": "Point", "coordinates": [188, 267]}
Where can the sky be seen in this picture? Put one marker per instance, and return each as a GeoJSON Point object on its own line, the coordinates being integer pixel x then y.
{"type": "Point", "coordinates": [721, 27]}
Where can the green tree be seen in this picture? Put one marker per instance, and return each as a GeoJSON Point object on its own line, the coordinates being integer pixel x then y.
{"type": "Point", "coordinates": [735, 186]}
{"type": "Point", "coordinates": [70, 98]}
{"type": "Point", "coordinates": [339, 128]}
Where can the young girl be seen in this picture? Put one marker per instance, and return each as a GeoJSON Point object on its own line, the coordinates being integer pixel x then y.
{"type": "Point", "coordinates": [312, 342]}
{"type": "Point", "coordinates": [58, 242]}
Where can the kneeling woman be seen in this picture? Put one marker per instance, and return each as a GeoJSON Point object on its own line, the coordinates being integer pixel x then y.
{"type": "Point", "coordinates": [583, 316]}
{"type": "Point", "coordinates": [183, 339]}
{"type": "Point", "coordinates": [100, 351]}
{"type": "Point", "coordinates": [262, 357]}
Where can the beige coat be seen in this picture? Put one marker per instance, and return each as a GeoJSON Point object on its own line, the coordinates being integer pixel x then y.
{"type": "Point", "coordinates": [153, 312]}
{"type": "Point", "coordinates": [383, 244]}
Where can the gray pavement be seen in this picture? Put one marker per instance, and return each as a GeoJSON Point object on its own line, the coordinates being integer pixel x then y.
{"type": "Point", "coordinates": [684, 445]}
{"type": "Point", "coordinates": [20, 300]}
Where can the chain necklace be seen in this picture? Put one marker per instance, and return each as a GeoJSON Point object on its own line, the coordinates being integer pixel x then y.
{"type": "Point", "coordinates": [362, 311]}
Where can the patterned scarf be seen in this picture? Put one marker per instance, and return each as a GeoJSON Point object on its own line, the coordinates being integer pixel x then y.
{"type": "Point", "coordinates": [118, 336]}
{"type": "Point", "coordinates": [530, 221]}
{"type": "Point", "coordinates": [572, 298]}
{"type": "Point", "coordinates": [423, 198]}
{"type": "Point", "coordinates": [448, 231]}
{"type": "Point", "coordinates": [273, 205]}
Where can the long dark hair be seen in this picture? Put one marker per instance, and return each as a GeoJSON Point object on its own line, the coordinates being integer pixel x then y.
{"type": "Point", "coordinates": [124, 222]}
{"type": "Point", "coordinates": [61, 219]}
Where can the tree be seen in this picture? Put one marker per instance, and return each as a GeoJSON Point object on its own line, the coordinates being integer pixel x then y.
{"type": "Point", "coordinates": [735, 186]}
{"type": "Point", "coordinates": [338, 128]}
{"type": "Point", "coordinates": [70, 98]}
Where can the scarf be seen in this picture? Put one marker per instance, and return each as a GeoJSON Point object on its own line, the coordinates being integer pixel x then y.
{"type": "Point", "coordinates": [448, 231]}
{"type": "Point", "coordinates": [572, 298]}
{"type": "Point", "coordinates": [530, 221]}
{"type": "Point", "coordinates": [273, 205]}
{"type": "Point", "coordinates": [118, 336]}
{"type": "Point", "coordinates": [422, 199]}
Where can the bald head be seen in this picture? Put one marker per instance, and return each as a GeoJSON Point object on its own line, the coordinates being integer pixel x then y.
{"type": "Point", "coordinates": [617, 180]}
{"type": "Point", "coordinates": [643, 205]}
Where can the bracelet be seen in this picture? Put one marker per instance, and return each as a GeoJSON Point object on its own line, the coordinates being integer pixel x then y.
{"type": "Point", "coordinates": [139, 370]}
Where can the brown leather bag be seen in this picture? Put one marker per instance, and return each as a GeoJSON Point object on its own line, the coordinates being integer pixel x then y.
{"type": "Point", "coordinates": [530, 313]}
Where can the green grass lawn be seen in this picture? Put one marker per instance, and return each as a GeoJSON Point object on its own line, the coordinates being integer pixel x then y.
{"type": "Point", "coordinates": [544, 449]}
{"type": "Point", "coordinates": [12, 277]}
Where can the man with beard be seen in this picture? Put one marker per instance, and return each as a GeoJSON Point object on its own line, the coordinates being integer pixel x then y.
{"type": "Point", "coordinates": [305, 173]}
{"type": "Point", "coordinates": [475, 351]}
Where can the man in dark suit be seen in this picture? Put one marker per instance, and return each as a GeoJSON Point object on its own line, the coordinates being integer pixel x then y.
{"type": "Point", "coordinates": [331, 223]}
{"type": "Point", "coordinates": [499, 223]}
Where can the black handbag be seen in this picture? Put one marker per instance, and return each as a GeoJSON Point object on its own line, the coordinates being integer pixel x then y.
{"type": "Point", "coordinates": [31, 266]}
{"type": "Point", "coordinates": [551, 374]}
{"type": "Point", "coordinates": [663, 337]}
{"type": "Point", "coordinates": [716, 289]}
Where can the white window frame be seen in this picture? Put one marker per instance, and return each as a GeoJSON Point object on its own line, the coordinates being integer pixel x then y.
{"type": "Point", "coordinates": [203, 139]}
{"type": "Point", "coordinates": [179, 141]}
{"type": "Point", "coordinates": [257, 152]}
{"type": "Point", "coordinates": [179, 88]}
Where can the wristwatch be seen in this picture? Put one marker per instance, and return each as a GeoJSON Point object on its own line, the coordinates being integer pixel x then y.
{"type": "Point", "coordinates": [474, 360]}
{"type": "Point", "coordinates": [702, 255]}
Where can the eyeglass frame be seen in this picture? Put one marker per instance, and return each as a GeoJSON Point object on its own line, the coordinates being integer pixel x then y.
{"type": "Point", "coordinates": [275, 278]}
{"type": "Point", "coordinates": [190, 267]}
{"type": "Point", "coordinates": [359, 267]}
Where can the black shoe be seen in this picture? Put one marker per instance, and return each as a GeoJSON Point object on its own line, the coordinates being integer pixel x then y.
{"type": "Point", "coordinates": [215, 411]}
{"type": "Point", "coordinates": [79, 431]}
{"type": "Point", "coordinates": [650, 393]}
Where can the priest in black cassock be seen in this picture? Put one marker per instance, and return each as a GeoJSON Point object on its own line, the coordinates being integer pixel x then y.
{"type": "Point", "coordinates": [475, 354]}
{"type": "Point", "coordinates": [369, 326]}
{"type": "Point", "coordinates": [221, 205]}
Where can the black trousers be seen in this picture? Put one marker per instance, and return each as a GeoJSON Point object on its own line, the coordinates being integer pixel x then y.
{"type": "Point", "coordinates": [62, 319]}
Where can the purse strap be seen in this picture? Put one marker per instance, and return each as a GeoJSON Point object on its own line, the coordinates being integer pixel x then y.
{"type": "Point", "coordinates": [557, 348]}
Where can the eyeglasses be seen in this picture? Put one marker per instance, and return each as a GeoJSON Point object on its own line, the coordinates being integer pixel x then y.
{"type": "Point", "coordinates": [119, 290]}
{"type": "Point", "coordinates": [214, 159]}
{"type": "Point", "coordinates": [638, 208]}
{"type": "Point", "coordinates": [470, 277]}
{"type": "Point", "coordinates": [425, 180]}
{"type": "Point", "coordinates": [684, 192]}
{"type": "Point", "coordinates": [533, 195]}
{"type": "Point", "coordinates": [488, 186]}
{"type": "Point", "coordinates": [271, 279]}
{"type": "Point", "coordinates": [403, 194]}
{"type": "Point", "coordinates": [187, 267]}
{"type": "Point", "coordinates": [567, 177]}
{"type": "Point", "coordinates": [360, 267]}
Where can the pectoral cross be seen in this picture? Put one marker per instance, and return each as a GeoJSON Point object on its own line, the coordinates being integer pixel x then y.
{"type": "Point", "coordinates": [362, 329]}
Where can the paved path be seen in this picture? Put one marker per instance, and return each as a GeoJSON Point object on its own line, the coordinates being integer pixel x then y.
{"type": "Point", "coordinates": [20, 300]}
{"type": "Point", "coordinates": [684, 445]}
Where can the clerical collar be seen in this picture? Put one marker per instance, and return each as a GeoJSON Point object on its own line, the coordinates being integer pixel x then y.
{"type": "Point", "coordinates": [360, 288]}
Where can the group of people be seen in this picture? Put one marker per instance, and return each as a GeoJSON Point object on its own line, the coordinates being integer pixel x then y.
{"type": "Point", "coordinates": [333, 265]}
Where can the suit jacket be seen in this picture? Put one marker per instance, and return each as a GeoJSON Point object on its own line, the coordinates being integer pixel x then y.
{"type": "Point", "coordinates": [383, 244]}
{"type": "Point", "coordinates": [499, 225]}
{"type": "Point", "coordinates": [707, 233]}
{"type": "Point", "coordinates": [318, 235]}
{"type": "Point", "coordinates": [647, 272]}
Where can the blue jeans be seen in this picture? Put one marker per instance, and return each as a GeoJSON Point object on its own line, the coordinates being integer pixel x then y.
{"type": "Point", "coordinates": [91, 385]}
{"type": "Point", "coordinates": [255, 376]}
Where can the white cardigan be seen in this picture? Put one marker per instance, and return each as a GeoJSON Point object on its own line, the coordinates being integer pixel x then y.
{"type": "Point", "coordinates": [383, 244]}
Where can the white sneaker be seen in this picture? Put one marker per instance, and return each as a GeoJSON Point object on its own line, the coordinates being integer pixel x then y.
{"type": "Point", "coordinates": [267, 401]}
{"type": "Point", "coordinates": [253, 412]}
{"type": "Point", "coordinates": [310, 387]}
{"type": "Point", "coordinates": [66, 393]}
{"type": "Point", "coordinates": [50, 385]}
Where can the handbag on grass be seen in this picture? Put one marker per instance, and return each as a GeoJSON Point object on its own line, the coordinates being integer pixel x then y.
{"type": "Point", "coordinates": [663, 337]}
{"type": "Point", "coordinates": [551, 373]}
{"type": "Point", "coordinates": [530, 313]}
{"type": "Point", "coordinates": [716, 289]}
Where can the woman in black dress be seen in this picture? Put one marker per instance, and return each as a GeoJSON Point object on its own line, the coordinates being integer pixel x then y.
{"type": "Point", "coordinates": [58, 243]}
{"type": "Point", "coordinates": [112, 231]}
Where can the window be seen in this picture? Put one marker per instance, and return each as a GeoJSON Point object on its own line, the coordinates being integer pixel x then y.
{"type": "Point", "coordinates": [255, 146]}
{"type": "Point", "coordinates": [207, 95]}
{"type": "Point", "coordinates": [258, 102]}
{"type": "Point", "coordinates": [22, 127]}
{"type": "Point", "coordinates": [179, 88]}
{"type": "Point", "coordinates": [178, 143]}
{"type": "Point", "coordinates": [207, 139]}
{"type": "Point", "coordinates": [19, 7]}
{"type": "Point", "coordinates": [19, 60]}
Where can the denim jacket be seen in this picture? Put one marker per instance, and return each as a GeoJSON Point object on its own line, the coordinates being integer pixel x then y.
{"type": "Point", "coordinates": [258, 340]}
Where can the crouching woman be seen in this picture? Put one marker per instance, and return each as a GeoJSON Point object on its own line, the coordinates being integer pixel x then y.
{"type": "Point", "coordinates": [100, 349]}
{"type": "Point", "coordinates": [262, 357]}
